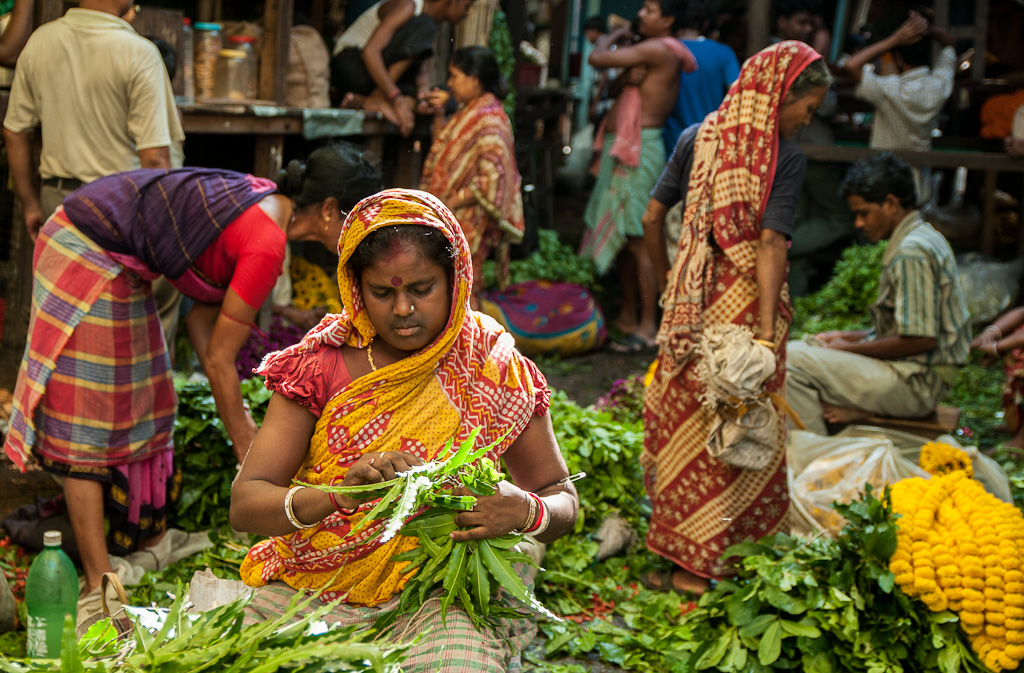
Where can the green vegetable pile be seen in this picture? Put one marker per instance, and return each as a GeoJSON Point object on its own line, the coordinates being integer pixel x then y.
{"type": "Point", "coordinates": [842, 304]}
{"type": "Point", "coordinates": [472, 571]}
{"type": "Point", "coordinates": [500, 44]}
{"type": "Point", "coordinates": [822, 605]}
{"type": "Point", "coordinates": [218, 641]}
{"type": "Point", "coordinates": [202, 450]}
{"type": "Point", "coordinates": [552, 261]}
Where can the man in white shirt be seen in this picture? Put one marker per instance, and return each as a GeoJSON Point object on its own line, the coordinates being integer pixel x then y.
{"type": "Point", "coordinates": [100, 94]}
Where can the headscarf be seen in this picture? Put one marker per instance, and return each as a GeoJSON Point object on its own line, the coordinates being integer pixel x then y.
{"type": "Point", "coordinates": [734, 161]}
{"type": "Point", "coordinates": [470, 377]}
{"type": "Point", "coordinates": [165, 218]}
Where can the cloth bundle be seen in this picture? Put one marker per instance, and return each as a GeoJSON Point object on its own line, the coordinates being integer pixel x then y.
{"type": "Point", "coordinates": [734, 368]}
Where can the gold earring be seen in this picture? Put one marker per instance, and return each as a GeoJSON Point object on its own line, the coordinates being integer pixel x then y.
{"type": "Point", "coordinates": [327, 221]}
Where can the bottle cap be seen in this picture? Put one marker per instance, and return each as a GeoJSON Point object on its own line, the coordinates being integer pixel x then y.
{"type": "Point", "coordinates": [186, 21]}
{"type": "Point", "coordinates": [242, 39]}
{"type": "Point", "coordinates": [232, 53]}
{"type": "Point", "coordinates": [52, 538]}
{"type": "Point", "coordinates": [207, 26]}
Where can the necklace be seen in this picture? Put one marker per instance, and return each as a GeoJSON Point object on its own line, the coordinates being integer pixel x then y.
{"type": "Point", "coordinates": [369, 355]}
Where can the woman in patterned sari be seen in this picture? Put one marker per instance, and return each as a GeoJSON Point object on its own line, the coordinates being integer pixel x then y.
{"type": "Point", "coordinates": [740, 186]}
{"type": "Point", "coordinates": [1003, 340]}
{"type": "Point", "coordinates": [94, 401]}
{"type": "Point", "coordinates": [472, 162]}
{"type": "Point", "coordinates": [377, 389]}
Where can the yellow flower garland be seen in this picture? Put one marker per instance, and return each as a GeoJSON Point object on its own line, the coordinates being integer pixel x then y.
{"type": "Point", "coordinates": [312, 287]}
{"type": "Point", "coordinates": [961, 548]}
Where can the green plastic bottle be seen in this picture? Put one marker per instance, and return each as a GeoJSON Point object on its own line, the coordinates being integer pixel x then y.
{"type": "Point", "coordinates": [51, 592]}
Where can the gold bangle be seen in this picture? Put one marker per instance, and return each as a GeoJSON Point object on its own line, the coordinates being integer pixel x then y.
{"type": "Point", "coordinates": [767, 344]}
{"type": "Point", "coordinates": [288, 512]}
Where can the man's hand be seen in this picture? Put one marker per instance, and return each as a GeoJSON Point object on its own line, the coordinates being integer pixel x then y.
{"type": "Point", "coordinates": [912, 30]}
{"type": "Point", "coordinates": [34, 222]}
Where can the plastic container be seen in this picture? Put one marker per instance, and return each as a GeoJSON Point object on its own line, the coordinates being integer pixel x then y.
{"type": "Point", "coordinates": [231, 76]}
{"type": "Point", "coordinates": [207, 48]}
{"type": "Point", "coordinates": [188, 62]}
{"type": "Point", "coordinates": [51, 593]}
{"type": "Point", "coordinates": [247, 43]}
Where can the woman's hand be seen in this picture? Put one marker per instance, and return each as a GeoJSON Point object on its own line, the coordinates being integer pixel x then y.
{"type": "Point", "coordinates": [378, 466]}
{"type": "Point", "coordinates": [493, 515]}
{"type": "Point", "coordinates": [438, 99]}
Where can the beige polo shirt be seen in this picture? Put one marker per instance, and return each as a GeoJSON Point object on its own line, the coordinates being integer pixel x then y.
{"type": "Point", "coordinates": [98, 90]}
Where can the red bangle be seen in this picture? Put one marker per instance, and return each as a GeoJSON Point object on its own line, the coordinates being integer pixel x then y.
{"type": "Point", "coordinates": [540, 513]}
{"type": "Point", "coordinates": [395, 94]}
{"type": "Point", "coordinates": [341, 510]}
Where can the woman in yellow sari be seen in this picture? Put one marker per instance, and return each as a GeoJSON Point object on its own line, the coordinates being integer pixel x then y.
{"type": "Point", "coordinates": [375, 390]}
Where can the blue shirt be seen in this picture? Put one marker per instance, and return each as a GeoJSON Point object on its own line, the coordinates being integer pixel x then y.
{"type": "Point", "coordinates": [702, 90]}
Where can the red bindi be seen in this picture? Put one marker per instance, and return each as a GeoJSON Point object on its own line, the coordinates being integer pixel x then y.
{"type": "Point", "coordinates": [396, 281]}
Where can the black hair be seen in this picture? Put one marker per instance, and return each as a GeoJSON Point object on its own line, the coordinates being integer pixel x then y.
{"type": "Point", "coordinates": [878, 176]}
{"type": "Point", "coordinates": [914, 55]}
{"type": "Point", "coordinates": [479, 62]}
{"type": "Point", "coordinates": [166, 53]}
{"type": "Point", "coordinates": [676, 10]}
{"type": "Point", "coordinates": [340, 169]}
{"type": "Point", "coordinates": [431, 242]}
{"type": "Point", "coordinates": [596, 22]}
{"type": "Point", "coordinates": [814, 75]}
{"type": "Point", "coordinates": [696, 17]}
{"type": "Point", "coordinates": [787, 8]}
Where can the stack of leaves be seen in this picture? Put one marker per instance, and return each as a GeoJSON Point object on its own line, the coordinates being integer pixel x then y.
{"type": "Point", "coordinates": [842, 304]}
{"type": "Point", "coordinates": [219, 641]}
{"type": "Point", "coordinates": [473, 571]}
{"type": "Point", "coordinates": [551, 261]}
{"type": "Point", "coordinates": [14, 563]}
{"type": "Point", "coordinates": [625, 400]}
{"type": "Point", "coordinates": [312, 287]}
{"type": "Point", "coordinates": [960, 548]}
{"type": "Point", "coordinates": [822, 605]}
{"type": "Point", "coordinates": [202, 449]}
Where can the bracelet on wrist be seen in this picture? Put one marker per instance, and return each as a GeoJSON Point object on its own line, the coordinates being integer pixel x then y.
{"type": "Point", "coordinates": [996, 329]}
{"type": "Point", "coordinates": [394, 93]}
{"type": "Point", "coordinates": [531, 517]}
{"type": "Point", "coordinates": [341, 510]}
{"type": "Point", "coordinates": [995, 348]}
{"type": "Point", "coordinates": [290, 513]}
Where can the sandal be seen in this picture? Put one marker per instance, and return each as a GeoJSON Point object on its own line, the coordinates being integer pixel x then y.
{"type": "Point", "coordinates": [633, 343]}
{"type": "Point", "coordinates": [113, 599]}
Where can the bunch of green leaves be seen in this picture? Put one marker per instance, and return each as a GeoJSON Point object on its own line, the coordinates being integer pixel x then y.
{"type": "Point", "coordinates": [608, 451]}
{"type": "Point", "coordinates": [219, 641]}
{"type": "Point", "coordinates": [822, 605]}
{"type": "Point", "coordinates": [551, 261]}
{"type": "Point", "coordinates": [500, 44]}
{"type": "Point", "coordinates": [202, 449]}
{"type": "Point", "coordinates": [842, 304]}
{"type": "Point", "coordinates": [472, 571]}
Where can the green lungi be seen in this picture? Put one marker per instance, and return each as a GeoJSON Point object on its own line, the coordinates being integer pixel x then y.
{"type": "Point", "coordinates": [617, 204]}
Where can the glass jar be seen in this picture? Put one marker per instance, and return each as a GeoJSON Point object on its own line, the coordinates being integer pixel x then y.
{"type": "Point", "coordinates": [247, 43]}
{"type": "Point", "coordinates": [207, 48]}
{"type": "Point", "coordinates": [231, 75]}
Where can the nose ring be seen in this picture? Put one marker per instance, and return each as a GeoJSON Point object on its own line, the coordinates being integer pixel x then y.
{"type": "Point", "coordinates": [411, 308]}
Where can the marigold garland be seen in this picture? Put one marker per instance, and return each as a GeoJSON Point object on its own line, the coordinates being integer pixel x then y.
{"type": "Point", "coordinates": [311, 287]}
{"type": "Point", "coordinates": [939, 458]}
{"type": "Point", "coordinates": [961, 548]}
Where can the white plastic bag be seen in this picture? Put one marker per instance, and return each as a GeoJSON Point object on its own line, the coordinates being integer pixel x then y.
{"type": "Point", "coordinates": [823, 470]}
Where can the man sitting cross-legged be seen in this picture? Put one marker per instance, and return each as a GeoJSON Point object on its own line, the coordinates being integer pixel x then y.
{"type": "Point", "coordinates": [920, 325]}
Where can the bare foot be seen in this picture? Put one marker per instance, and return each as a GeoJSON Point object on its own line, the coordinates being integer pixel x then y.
{"type": "Point", "coordinates": [353, 101]}
{"type": "Point", "coordinates": [682, 581]}
{"type": "Point", "coordinates": [844, 415]}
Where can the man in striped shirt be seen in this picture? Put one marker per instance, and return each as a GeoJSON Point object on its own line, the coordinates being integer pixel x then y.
{"type": "Point", "coordinates": [920, 326]}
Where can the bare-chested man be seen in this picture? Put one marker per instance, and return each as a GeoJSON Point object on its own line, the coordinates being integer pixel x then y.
{"type": "Point", "coordinates": [633, 158]}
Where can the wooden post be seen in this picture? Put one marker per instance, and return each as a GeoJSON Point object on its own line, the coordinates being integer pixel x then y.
{"type": "Point", "coordinates": [988, 221]}
{"type": "Point", "coordinates": [759, 26]}
{"type": "Point", "coordinates": [269, 156]}
{"type": "Point", "coordinates": [49, 10]}
{"type": "Point", "coordinates": [274, 52]}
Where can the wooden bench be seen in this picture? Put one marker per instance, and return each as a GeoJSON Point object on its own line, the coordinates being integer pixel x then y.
{"type": "Point", "coordinates": [942, 421]}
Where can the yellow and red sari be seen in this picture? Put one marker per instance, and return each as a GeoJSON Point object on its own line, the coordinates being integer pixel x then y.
{"type": "Point", "coordinates": [701, 505]}
{"type": "Point", "coordinates": [470, 377]}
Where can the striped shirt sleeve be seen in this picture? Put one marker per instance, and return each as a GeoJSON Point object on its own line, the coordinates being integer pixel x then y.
{"type": "Point", "coordinates": [917, 296]}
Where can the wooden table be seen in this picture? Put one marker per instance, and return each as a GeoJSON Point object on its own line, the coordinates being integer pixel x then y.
{"type": "Point", "coordinates": [270, 124]}
{"type": "Point", "coordinates": [990, 163]}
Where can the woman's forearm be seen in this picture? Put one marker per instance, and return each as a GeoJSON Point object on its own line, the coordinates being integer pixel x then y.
{"type": "Point", "coordinates": [258, 507]}
{"type": "Point", "coordinates": [228, 397]}
{"type": "Point", "coordinates": [770, 274]}
{"type": "Point", "coordinates": [563, 508]}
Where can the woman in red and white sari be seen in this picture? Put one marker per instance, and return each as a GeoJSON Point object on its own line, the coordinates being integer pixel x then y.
{"type": "Point", "coordinates": [739, 184]}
